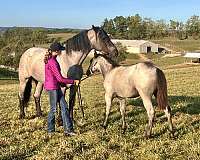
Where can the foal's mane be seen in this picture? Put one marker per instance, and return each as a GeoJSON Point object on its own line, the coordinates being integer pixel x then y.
{"type": "Point", "coordinates": [109, 60]}
{"type": "Point", "coordinates": [79, 42]}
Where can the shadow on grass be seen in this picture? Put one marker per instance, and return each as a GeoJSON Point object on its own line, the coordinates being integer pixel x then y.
{"type": "Point", "coordinates": [192, 104]}
{"type": "Point", "coordinates": [19, 156]}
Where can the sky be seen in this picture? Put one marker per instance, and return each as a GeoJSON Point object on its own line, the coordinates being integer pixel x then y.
{"type": "Point", "coordinates": [84, 13]}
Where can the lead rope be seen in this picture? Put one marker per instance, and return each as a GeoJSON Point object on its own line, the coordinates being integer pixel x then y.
{"type": "Point", "coordinates": [80, 101]}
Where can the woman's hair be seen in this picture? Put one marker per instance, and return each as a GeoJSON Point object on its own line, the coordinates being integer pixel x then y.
{"type": "Point", "coordinates": [47, 56]}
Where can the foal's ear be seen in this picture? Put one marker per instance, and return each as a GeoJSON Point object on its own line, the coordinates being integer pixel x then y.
{"type": "Point", "coordinates": [93, 27]}
{"type": "Point", "coordinates": [95, 54]}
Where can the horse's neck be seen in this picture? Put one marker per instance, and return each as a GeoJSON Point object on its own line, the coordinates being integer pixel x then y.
{"type": "Point", "coordinates": [105, 68]}
{"type": "Point", "coordinates": [67, 60]}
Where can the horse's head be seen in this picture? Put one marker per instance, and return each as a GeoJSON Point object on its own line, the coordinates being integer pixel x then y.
{"type": "Point", "coordinates": [101, 41]}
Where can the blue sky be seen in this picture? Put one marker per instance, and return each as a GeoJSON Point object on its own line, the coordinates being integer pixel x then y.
{"type": "Point", "coordinates": [84, 13]}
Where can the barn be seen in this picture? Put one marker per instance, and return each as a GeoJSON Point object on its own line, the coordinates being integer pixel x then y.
{"type": "Point", "coordinates": [193, 55]}
{"type": "Point", "coordinates": [138, 46]}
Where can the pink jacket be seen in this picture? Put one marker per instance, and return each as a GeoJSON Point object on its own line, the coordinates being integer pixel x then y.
{"type": "Point", "coordinates": [53, 76]}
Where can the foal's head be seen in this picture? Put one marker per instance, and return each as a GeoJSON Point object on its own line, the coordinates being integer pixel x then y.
{"type": "Point", "coordinates": [96, 62]}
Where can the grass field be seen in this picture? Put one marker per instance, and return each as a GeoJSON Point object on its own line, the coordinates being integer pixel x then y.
{"type": "Point", "coordinates": [28, 139]}
{"type": "Point", "coordinates": [180, 45]}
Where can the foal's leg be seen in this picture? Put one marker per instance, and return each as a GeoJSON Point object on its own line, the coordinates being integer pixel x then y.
{"type": "Point", "coordinates": [150, 112]}
{"type": "Point", "coordinates": [122, 110]}
{"type": "Point", "coordinates": [169, 118]}
{"type": "Point", "coordinates": [108, 100]}
{"type": "Point", "coordinates": [37, 95]}
{"type": "Point", "coordinates": [22, 86]}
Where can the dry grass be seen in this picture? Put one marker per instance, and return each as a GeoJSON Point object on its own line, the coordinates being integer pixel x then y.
{"type": "Point", "coordinates": [27, 139]}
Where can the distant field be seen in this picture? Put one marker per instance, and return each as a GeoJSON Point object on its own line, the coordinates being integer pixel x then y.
{"type": "Point", "coordinates": [63, 36]}
{"type": "Point", "coordinates": [180, 45]}
{"type": "Point", "coordinates": [28, 139]}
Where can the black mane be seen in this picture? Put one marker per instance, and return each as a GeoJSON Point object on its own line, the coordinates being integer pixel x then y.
{"type": "Point", "coordinates": [79, 42]}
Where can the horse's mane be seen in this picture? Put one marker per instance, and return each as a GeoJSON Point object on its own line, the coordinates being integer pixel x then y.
{"type": "Point", "coordinates": [79, 42]}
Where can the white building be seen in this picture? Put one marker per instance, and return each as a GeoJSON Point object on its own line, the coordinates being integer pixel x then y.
{"type": "Point", "coordinates": [138, 46]}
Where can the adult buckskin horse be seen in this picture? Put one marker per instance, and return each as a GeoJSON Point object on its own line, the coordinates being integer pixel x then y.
{"type": "Point", "coordinates": [143, 79]}
{"type": "Point", "coordinates": [31, 66]}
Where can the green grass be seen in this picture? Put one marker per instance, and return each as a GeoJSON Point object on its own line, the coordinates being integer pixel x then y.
{"type": "Point", "coordinates": [179, 45]}
{"type": "Point", "coordinates": [27, 138]}
{"type": "Point", "coordinates": [7, 74]}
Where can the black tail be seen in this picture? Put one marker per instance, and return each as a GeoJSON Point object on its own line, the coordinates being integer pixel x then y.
{"type": "Point", "coordinates": [27, 91]}
{"type": "Point", "coordinates": [161, 94]}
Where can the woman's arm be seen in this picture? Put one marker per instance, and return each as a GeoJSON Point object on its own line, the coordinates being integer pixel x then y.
{"type": "Point", "coordinates": [57, 74]}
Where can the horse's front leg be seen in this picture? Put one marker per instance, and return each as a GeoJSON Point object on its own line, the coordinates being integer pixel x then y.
{"type": "Point", "coordinates": [72, 98]}
{"type": "Point", "coordinates": [122, 110]}
{"type": "Point", "coordinates": [108, 99]}
{"type": "Point", "coordinates": [37, 95]}
{"type": "Point", "coordinates": [22, 87]}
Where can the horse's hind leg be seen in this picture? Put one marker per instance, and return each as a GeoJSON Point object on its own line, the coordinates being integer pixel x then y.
{"type": "Point", "coordinates": [169, 118]}
{"type": "Point", "coordinates": [108, 100]}
{"type": "Point", "coordinates": [37, 95]}
{"type": "Point", "coordinates": [150, 112]}
{"type": "Point", "coordinates": [122, 110]}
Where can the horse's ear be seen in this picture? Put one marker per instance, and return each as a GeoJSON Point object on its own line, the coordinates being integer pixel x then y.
{"type": "Point", "coordinates": [93, 27]}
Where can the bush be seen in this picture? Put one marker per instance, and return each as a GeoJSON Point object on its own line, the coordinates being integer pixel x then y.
{"type": "Point", "coordinates": [122, 52]}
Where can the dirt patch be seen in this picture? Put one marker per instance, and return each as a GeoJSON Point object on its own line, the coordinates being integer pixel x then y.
{"type": "Point", "coordinates": [182, 65]}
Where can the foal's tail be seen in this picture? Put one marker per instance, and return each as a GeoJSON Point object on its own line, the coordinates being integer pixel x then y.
{"type": "Point", "coordinates": [161, 94]}
{"type": "Point", "coordinates": [27, 91]}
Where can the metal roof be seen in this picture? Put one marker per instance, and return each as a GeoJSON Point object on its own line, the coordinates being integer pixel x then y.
{"type": "Point", "coordinates": [192, 55]}
{"type": "Point", "coordinates": [132, 43]}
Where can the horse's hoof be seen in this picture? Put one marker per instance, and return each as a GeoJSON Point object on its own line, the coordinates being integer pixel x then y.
{"type": "Point", "coordinates": [38, 115]}
{"type": "Point", "coordinates": [147, 136]}
{"type": "Point", "coordinates": [60, 123]}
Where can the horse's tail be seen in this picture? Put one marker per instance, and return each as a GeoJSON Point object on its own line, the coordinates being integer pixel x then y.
{"type": "Point", "coordinates": [27, 91]}
{"type": "Point", "coordinates": [161, 90]}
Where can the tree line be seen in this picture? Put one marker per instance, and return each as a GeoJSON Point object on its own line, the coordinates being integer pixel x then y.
{"type": "Point", "coordinates": [136, 27]}
{"type": "Point", "coordinates": [14, 41]}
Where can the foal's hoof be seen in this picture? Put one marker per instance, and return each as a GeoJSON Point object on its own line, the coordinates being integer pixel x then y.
{"type": "Point", "coordinates": [21, 116]}
{"type": "Point", "coordinates": [172, 134]}
{"type": "Point", "coordinates": [104, 126]}
{"type": "Point", "coordinates": [123, 130]}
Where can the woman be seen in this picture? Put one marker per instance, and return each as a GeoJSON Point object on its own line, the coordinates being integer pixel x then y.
{"type": "Point", "coordinates": [53, 80]}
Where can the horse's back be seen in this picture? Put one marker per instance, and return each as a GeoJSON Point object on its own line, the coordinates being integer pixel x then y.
{"type": "Point", "coordinates": [32, 64]}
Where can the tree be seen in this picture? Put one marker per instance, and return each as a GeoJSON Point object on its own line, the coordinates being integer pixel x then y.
{"type": "Point", "coordinates": [121, 27]}
{"type": "Point", "coordinates": [193, 26]}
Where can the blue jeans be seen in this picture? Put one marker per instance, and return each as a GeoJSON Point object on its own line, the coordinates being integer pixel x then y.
{"type": "Point", "coordinates": [56, 96]}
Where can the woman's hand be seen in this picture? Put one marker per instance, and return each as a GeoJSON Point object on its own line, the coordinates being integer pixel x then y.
{"type": "Point", "coordinates": [77, 82]}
